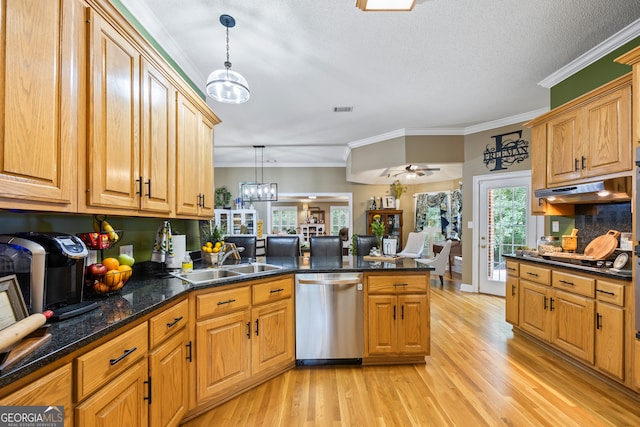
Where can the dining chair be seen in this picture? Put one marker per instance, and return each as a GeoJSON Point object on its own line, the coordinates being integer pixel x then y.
{"type": "Point", "coordinates": [365, 243]}
{"type": "Point", "coordinates": [283, 246]}
{"type": "Point", "coordinates": [439, 262]}
{"type": "Point", "coordinates": [414, 246]}
{"type": "Point", "coordinates": [246, 242]}
{"type": "Point", "coordinates": [325, 246]}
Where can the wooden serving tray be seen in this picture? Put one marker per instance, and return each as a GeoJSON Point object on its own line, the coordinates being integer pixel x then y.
{"type": "Point", "coordinates": [381, 258]}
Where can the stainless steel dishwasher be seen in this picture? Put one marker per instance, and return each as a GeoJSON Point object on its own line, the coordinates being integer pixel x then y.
{"type": "Point", "coordinates": [329, 318]}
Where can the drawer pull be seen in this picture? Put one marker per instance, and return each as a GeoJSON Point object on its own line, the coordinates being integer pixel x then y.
{"type": "Point", "coordinates": [229, 301]}
{"type": "Point", "coordinates": [566, 283]}
{"type": "Point", "coordinates": [175, 321]}
{"type": "Point", "coordinates": [125, 354]}
{"type": "Point", "coordinates": [532, 274]}
{"type": "Point", "coordinates": [511, 269]}
{"type": "Point", "coordinates": [400, 284]}
{"type": "Point", "coordinates": [273, 291]}
{"type": "Point", "coordinates": [613, 294]}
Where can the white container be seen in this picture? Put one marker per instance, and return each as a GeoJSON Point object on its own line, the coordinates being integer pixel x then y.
{"type": "Point", "coordinates": [626, 244]}
{"type": "Point", "coordinates": [179, 242]}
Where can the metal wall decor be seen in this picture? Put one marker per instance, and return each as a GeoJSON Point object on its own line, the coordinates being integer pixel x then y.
{"type": "Point", "coordinates": [506, 151]}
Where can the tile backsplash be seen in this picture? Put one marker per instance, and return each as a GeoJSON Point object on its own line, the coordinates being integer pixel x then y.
{"type": "Point", "coordinates": [595, 220]}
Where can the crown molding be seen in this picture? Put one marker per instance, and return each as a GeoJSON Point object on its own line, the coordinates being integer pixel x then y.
{"type": "Point", "coordinates": [620, 38]}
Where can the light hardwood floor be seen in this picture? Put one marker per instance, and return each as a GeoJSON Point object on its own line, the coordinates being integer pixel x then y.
{"type": "Point", "coordinates": [478, 374]}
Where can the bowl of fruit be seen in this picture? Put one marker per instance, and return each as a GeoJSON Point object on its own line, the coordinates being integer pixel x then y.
{"type": "Point", "coordinates": [209, 252]}
{"type": "Point", "coordinates": [110, 275]}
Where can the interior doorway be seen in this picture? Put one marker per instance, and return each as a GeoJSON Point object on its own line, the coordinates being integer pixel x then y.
{"type": "Point", "coordinates": [504, 222]}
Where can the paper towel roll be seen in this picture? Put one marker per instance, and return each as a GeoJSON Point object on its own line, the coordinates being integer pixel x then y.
{"type": "Point", "coordinates": [179, 243]}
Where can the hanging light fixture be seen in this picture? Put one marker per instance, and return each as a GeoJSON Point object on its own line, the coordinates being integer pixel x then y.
{"type": "Point", "coordinates": [226, 85]}
{"type": "Point", "coordinates": [259, 191]}
{"type": "Point", "coordinates": [385, 5]}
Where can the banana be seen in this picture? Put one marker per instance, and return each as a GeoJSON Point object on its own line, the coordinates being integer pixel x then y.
{"type": "Point", "coordinates": [113, 236]}
{"type": "Point", "coordinates": [96, 225]}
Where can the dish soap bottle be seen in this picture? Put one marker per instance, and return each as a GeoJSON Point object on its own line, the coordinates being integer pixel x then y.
{"type": "Point", "coordinates": [187, 264]}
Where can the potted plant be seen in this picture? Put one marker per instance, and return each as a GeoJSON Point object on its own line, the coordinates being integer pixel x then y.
{"type": "Point", "coordinates": [397, 189]}
{"type": "Point", "coordinates": [223, 197]}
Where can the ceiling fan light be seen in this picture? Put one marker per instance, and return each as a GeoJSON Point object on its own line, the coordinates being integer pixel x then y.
{"type": "Point", "coordinates": [385, 5]}
{"type": "Point", "coordinates": [228, 86]}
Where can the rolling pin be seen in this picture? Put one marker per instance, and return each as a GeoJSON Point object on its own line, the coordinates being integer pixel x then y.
{"type": "Point", "coordinates": [14, 333]}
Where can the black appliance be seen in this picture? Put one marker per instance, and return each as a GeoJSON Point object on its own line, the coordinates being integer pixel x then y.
{"type": "Point", "coordinates": [50, 270]}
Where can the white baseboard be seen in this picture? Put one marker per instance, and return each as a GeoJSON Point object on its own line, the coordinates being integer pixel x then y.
{"type": "Point", "coordinates": [467, 288]}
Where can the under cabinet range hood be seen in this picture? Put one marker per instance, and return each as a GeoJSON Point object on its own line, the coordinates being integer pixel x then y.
{"type": "Point", "coordinates": [604, 191]}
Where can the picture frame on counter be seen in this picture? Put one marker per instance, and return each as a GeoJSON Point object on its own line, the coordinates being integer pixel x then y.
{"type": "Point", "coordinates": [12, 306]}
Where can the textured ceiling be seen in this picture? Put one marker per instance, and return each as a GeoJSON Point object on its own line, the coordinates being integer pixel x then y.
{"type": "Point", "coordinates": [447, 67]}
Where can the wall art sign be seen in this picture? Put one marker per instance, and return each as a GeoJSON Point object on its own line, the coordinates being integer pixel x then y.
{"type": "Point", "coordinates": [506, 152]}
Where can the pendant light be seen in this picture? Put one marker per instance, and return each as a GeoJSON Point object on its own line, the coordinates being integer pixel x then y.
{"type": "Point", "coordinates": [225, 85]}
{"type": "Point", "coordinates": [259, 191]}
{"type": "Point", "coordinates": [385, 5]}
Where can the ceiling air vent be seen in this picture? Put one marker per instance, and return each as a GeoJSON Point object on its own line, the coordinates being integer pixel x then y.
{"type": "Point", "coordinates": [342, 109]}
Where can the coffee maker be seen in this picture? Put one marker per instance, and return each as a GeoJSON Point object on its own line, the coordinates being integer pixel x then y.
{"type": "Point", "coordinates": [50, 271]}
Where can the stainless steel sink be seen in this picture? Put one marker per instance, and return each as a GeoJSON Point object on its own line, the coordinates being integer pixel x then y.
{"type": "Point", "coordinates": [198, 277]}
{"type": "Point", "coordinates": [252, 268]}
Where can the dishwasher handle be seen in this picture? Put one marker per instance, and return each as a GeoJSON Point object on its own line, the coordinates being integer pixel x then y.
{"type": "Point", "coordinates": [329, 281]}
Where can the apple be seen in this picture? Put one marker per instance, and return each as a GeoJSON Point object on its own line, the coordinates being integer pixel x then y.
{"type": "Point", "coordinates": [126, 260]}
{"type": "Point", "coordinates": [97, 269]}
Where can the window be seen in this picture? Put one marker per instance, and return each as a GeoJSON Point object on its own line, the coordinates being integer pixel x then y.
{"type": "Point", "coordinates": [284, 219]}
{"type": "Point", "coordinates": [339, 219]}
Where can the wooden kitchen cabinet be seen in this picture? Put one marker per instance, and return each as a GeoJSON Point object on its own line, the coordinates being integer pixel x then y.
{"type": "Point", "coordinates": [40, 58]}
{"type": "Point", "coordinates": [564, 150]}
{"type": "Point", "coordinates": [534, 316]}
{"type": "Point", "coordinates": [53, 389]}
{"type": "Point", "coordinates": [573, 327]}
{"type": "Point", "coordinates": [512, 293]}
{"type": "Point", "coordinates": [397, 315]}
{"type": "Point", "coordinates": [194, 161]}
{"type": "Point", "coordinates": [122, 402]}
{"type": "Point", "coordinates": [610, 328]}
{"type": "Point", "coordinates": [633, 58]}
{"type": "Point", "coordinates": [113, 146]}
{"type": "Point", "coordinates": [169, 361]}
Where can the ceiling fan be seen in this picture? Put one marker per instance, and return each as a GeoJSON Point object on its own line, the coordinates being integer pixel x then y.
{"type": "Point", "coordinates": [410, 170]}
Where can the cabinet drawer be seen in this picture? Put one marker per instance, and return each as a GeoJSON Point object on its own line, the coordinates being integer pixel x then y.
{"type": "Point", "coordinates": [572, 283]}
{"type": "Point", "coordinates": [272, 290]}
{"type": "Point", "coordinates": [166, 323]}
{"type": "Point", "coordinates": [409, 283]}
{"type": "Point", "coordinates": [513, 268]}
{"type": "Point", "coordinates": [104, 363]}
{"type": "Point", "coordinates": [222, 302]}
{"type": "Point", "coordinates": [610, 292]}
{"type": "Point", "coordinates": [535, 274]}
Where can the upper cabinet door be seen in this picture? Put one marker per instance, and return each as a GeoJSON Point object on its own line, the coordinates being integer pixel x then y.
{"type": "Point", "coordinates": [563, 147]}
{"type": "Point", "coordinates": [158, 141]}
{"type": "Point", "coordinates": [187, 158]}
{"type": "Point", "coordinates": [113, 146]}
{"type": "Point", "coordinates": [608, 134]}
{"type": "Point", "coordinates": [39, 60]}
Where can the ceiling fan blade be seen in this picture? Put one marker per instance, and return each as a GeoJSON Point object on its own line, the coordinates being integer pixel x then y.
{"type": "Point", "coordinates": [419, 173]}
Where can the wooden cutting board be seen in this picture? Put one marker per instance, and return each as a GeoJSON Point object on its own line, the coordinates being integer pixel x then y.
{"type": "Point", "coordinates": [603, 246]}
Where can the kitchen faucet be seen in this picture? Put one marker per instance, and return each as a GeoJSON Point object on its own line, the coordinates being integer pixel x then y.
{"type": "Point", "coordinates": [226, 251]}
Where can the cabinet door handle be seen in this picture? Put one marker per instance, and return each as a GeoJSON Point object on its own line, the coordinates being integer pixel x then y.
{"type": "Point", "coordinates": [273, 291]}
{"type": "Point", "coordinates": [189, 355]}
{"type": "Point", "coordinates": [148, 184]}
{"type": "Point", "coordinates": [402, 312]}
{"type": "Point", "coordinates": [139, 182]}
{"type": "Point", "coordinates": [148, 383]}
{"type": "Point", "coordinates": [175, 322]}
{"type": "Point", "coordinates": [249, 330]}
{"type": "Point", "coordinates": [229, 301]}
{"type": "Point", "coordinates": [125, 354]}
{"type": "Point", "coordinates": [202, 205]}
{"type": "Point", "coordinates": [598, 317]}
{"type": "Point", "coordinates": [566, 283]}
{"type": "Point", "coordinates": [394, 312]}
{"type": "Point", "coordinates": [257, 326]}
{"type": "Point", "coordinates": [584, 162]}
{"type": "Point", "coordinates": [550, 304]}
{"type": "Point", "coordinates": [577, 165]}
{"type": "Point", "coordinates": [513, 290]}
{"type": "Point", "coordinates": [545, 303]}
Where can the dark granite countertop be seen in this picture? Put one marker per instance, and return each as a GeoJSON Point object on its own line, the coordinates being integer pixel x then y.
{"type": "Point", "coordinates": [149, 290]}
{"type": "Point", "coordinates": [604, 272]}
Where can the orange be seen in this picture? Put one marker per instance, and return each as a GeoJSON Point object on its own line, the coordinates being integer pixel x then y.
{"type": "Point", "coordinates": [112, 278]}
{"type": "Point", "coordinates": [111, 263]}
{"type": "Point", "coordinates": [126, 272]}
